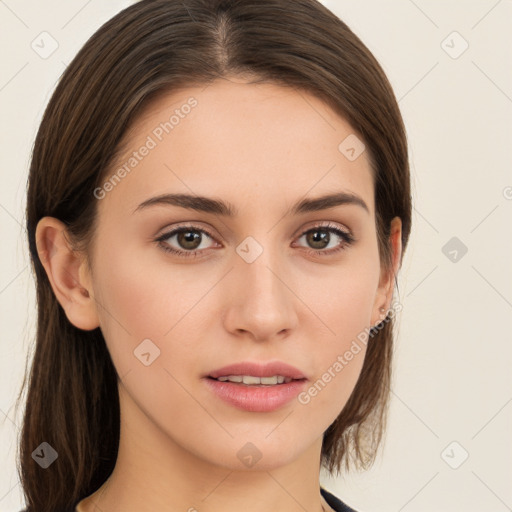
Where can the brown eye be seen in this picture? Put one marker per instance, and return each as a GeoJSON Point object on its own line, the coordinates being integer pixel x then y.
{"type": "Point", "coordinates": [187, 241]}
{"type": "Point", "coordinates": [319, 239]}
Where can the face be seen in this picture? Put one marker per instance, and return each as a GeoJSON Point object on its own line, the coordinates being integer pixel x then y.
{"type": "Point", "coordinates": [265, 283]}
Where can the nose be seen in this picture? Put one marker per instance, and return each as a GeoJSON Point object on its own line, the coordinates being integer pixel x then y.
{"type": "Point", "coordinates": [261, 302]}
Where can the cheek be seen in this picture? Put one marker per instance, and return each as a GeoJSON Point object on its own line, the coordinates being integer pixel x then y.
{"type": "Point", "coordinates": [343, 296]}
{"type": "Point", "coordinates": [154, 300]}
{"type": "Point", "coordinates": [344, 303]}
{"type": "Point", "coordinates": [339, 357]}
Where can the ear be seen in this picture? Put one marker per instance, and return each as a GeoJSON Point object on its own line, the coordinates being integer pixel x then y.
{"type": "Point", "coordinates": [67, 273]}
{"type": "Point", "coordinates": [386, 286]}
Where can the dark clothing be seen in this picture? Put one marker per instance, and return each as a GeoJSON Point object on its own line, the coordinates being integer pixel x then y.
{"type": "Point", "coordinates": [332, 500]}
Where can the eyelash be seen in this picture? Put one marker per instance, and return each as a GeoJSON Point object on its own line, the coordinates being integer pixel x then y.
{"type": "Point", "coordinates": [347, 240]}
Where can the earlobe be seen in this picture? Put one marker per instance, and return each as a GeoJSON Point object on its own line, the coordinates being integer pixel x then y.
{"type": "Point", "coordinates": [67, 273]}
{"type": "Point", "coordinates": [387, 281]}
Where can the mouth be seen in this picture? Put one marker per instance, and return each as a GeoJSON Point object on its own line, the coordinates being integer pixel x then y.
{"type": "Point", "coordinates": [255, 381]}
{"type": "Point", "coordinates": [256, 387]}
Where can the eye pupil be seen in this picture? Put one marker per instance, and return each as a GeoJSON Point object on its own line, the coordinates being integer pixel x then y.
{"type": "Point", "coordinates": [188, 239]}
{"type": "Point", "coordinates": [319, 236]}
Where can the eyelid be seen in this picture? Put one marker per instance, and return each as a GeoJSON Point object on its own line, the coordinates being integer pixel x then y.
{"type": "Point", "coordinates": [192, 225]}
{"type": "Point", "coordinates": [323, 224]}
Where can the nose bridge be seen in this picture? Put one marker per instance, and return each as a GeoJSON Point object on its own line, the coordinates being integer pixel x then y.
{"type": "Point", "coordinates": [262, 303]}
{"type": "Point", "coordinates": [259, 265]}
{"type": "Point", "coordinates": [260, 275]}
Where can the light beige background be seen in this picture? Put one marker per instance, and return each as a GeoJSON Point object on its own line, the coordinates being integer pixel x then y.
{"type": "Point", "coordinates": [454, 348]}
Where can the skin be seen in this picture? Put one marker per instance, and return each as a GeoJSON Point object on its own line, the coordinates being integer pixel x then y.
{"type": "Point", "coordinates": [261, 147]}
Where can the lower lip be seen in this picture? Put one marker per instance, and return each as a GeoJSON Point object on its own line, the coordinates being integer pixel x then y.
{"type": "Point", "coordinates": [256, 398]}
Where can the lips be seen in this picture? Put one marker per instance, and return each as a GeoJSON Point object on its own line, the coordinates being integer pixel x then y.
{"type": "Point", "coordinates": [258, 370]}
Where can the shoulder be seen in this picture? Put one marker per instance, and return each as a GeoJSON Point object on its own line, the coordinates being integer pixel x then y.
{"type": "Point", "coordinates": [335, 502]}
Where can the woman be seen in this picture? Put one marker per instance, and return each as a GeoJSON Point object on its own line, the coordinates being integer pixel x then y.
{"type": "Point", "coordinates": [218, 205]}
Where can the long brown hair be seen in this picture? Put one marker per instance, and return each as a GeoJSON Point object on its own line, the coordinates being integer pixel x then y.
{"type": "Point", "coordinates": [148, 49]}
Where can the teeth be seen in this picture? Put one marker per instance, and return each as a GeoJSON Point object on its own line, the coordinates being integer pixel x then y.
{"type": "Point", "coordinates": [251, 380]}
{"type": "Point", "coordinates": [231, 378]}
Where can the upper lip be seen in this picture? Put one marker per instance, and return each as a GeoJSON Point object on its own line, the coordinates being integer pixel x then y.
{"type": "Point", "coordinates": [258, 370]}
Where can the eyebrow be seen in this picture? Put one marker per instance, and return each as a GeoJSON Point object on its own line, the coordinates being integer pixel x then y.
{"type": "Point", "coordinates": [219, 207]}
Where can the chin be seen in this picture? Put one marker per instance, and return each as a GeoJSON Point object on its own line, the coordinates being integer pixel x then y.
{"type": "Point", "coordinates": [253, 456]}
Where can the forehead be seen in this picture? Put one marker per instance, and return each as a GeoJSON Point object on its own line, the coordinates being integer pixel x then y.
{"type": "Point", "coordinates": [240, 141]}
